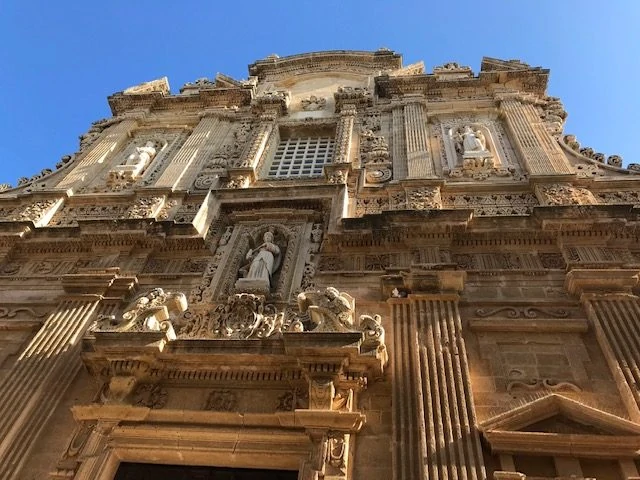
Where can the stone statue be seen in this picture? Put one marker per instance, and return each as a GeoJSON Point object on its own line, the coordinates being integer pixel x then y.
{"type": "Point", "coordinates": [142, 156]}
{"type": "Point", "coordinates": [264, 261]}
{"type": "Point", "coordinates": [329, 310]}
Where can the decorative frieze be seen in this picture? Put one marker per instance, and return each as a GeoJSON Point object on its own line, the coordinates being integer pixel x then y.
{"type": "Point", "coordinates": [564, 194]}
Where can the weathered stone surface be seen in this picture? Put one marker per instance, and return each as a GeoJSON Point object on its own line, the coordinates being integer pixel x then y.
{"type": "Point", "coordinates": [441, 285]}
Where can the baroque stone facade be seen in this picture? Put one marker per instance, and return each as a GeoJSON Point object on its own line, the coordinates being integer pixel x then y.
{"type": "Point", "coordinates": [342, 268]}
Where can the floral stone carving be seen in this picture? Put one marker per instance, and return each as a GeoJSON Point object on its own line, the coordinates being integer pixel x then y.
{"type": "Point", "coordinates": [243, 316]}
{"type": "Point", "coordinates": [564, 194]}
{"type": "Point", "coordinates": [313, 103]}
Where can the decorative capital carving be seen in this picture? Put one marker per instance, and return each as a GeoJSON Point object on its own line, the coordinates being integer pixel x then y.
{"type": "Point", "coordinates": [351, 98]}
{"type": "Point", "coordinates": [271, 102]}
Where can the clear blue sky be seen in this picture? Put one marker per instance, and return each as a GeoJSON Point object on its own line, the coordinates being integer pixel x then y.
{"type": "Point", "coordinates": [60, 60]}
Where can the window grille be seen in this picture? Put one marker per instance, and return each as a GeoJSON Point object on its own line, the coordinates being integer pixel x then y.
{"type": "Point", "coordinates": [301, 157]}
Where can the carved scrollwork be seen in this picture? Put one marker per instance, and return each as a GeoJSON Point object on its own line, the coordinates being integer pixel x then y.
{"type": "Point", "coordinates": [243, 316]}
{"type": "Point", "coordinates": [523, 312]}
{"type": "Point", "coordinates": [537, 384]}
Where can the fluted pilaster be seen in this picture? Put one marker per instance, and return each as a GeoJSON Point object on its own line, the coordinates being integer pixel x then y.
{"type": "Point", "coordinates": [203, 141]}
{"type": "Point", "coordinates": [541, 153]}
{"type": "Point", "coordinates": [435, 427]}
{"type": "Point", "coordinates": [419, 162]}
{"type": "Point", "coordinates": [110, 141]}
{"type": "Point", "coordinates": [614, 311]}
{"type": "Point", "coordinates": [398, 144]}
{"type": "Point", "coordinates": [44, 371]}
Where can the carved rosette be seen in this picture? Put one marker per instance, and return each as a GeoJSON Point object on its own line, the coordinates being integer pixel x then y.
{"type": "Point", "coordinates": [313, 103]}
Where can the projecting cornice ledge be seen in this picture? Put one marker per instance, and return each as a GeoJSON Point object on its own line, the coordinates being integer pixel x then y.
{"type": "Point", "coordinates": [584, 217]}
{"type": "Point", "coordinates": [581, 281]}
{"type": "Point", "coordinates": [424, 220]}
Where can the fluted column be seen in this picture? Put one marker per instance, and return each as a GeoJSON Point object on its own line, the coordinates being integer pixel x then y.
{"type": "Point", "coordinates": [48, 365]}
{"type": "Point", "coordinates": [541, 153]}
{"type": "Point", "coordinates": [435, 435]}
{"type": "Point", "coordinates": [419, 162]}
{"type": "Point", "coordinates": [206, 137]}
{"type": "Point", "coordinates": [399, 155]}
{"type": "Point", "coordinates": [110, 140]}
{"type": "Point", "coordinates": [344, 133]}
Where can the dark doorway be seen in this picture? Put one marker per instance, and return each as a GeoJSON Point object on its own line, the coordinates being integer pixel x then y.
{"type": "Point", "coordinates": [147, 471]}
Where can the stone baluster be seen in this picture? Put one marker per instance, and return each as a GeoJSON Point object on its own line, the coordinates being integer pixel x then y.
{"type": "Point", "coordinates": [435, 433]}
{"type": "Point", "coordinates": [206, 137]}
{"type": "Point", "coordinates": [541, 153]}
{"type": "Point", "coordinates": [399, 152]}
{"type": "Point", "coordinates": [419, 161]}
{"type": "Point", "coordinates": [40, 377]}
{"type": "Point", "coordinates": [344, 133]}
{"type": "Point", "coordinates": [110, 141]}
{"type": "Point", "coordinates": [614, 311]}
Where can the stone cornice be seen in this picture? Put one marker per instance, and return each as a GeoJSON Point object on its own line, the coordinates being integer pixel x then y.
{"type": "Point", "coordinates": [527, 80]}
{"type": "Point", "coordinates": [349, 61]}
{"type": "Point", "coordinates": [158, 101]}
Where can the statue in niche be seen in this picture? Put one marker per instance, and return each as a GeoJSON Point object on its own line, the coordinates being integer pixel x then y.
{"type": "Point", "coordinates": [477, 160]}
{"type": "Point", "coordinates": [135, 164]}
{"type": "Point", "coordinates": [142, 155]}
{"type": "Point", "coordinates": [263, 262]}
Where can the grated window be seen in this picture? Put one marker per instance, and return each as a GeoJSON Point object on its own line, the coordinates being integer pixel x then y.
{"type": "Point", "coordinates": [301, 157]}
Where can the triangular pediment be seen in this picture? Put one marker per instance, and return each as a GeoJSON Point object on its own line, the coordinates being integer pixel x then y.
{"type": "Point", "coordinates": [562, 415]}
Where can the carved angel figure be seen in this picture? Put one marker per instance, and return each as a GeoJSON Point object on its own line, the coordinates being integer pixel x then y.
{"type": "Point", "coordinates": [149, 312]}
{"type": "Point", "coordinates": [330, 310]}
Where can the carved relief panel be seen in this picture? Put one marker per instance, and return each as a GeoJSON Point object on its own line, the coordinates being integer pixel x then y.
{"type": "Point", "coordinates": [140, 162]}
{"type": "Point", "coordinates": [471, 147]}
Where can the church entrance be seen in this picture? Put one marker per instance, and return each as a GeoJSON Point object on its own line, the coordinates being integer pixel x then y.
{"type": "Point", "coordinates": [145, 471]}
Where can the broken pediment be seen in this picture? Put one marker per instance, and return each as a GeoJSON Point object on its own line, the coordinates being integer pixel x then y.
{"type": "Point", "coordinates": [558, 425]}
